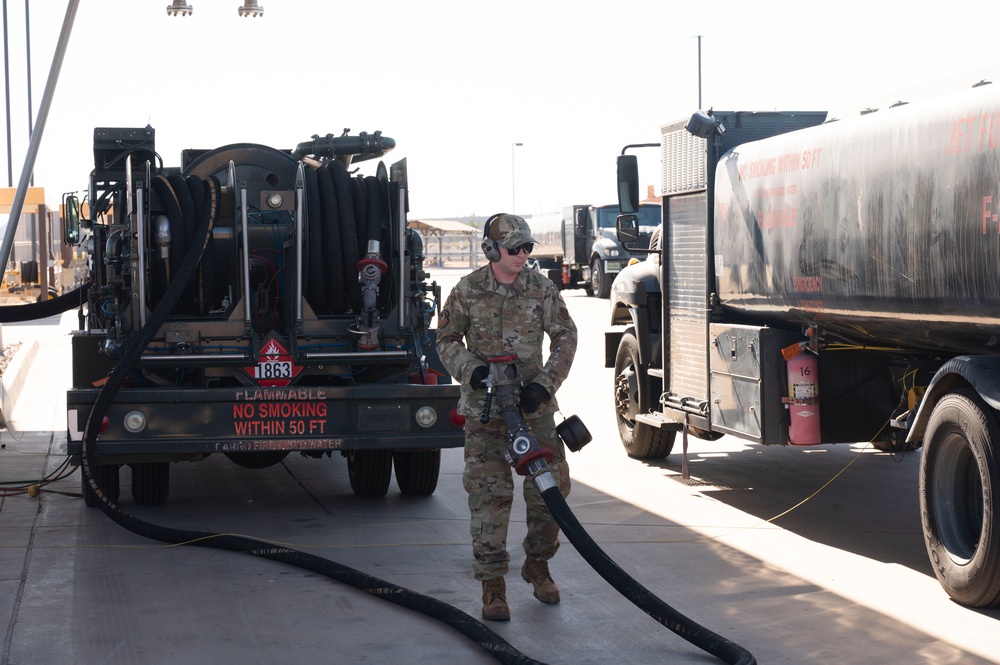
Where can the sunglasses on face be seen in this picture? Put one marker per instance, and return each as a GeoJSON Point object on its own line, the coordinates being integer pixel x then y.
{"type": "Point", "coordinates": [526, 248]}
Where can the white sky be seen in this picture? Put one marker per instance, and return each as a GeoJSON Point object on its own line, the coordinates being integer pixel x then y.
{"type": "Point", "coordinates": [457, 83]}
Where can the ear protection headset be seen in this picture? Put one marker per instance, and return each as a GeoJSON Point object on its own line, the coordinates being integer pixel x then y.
{"type": "Point", "coordinates": [491, 248]}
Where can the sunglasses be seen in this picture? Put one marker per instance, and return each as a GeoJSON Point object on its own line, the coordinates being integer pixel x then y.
{"type": "Point", "coordinates": [526, 248]}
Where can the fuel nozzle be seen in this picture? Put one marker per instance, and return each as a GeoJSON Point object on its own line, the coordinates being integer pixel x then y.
{"type": "Point", "coordinates": [370, 270]}
{"type": "Point", "coordinates": [503, 392]}
{"type": "Point", "coordinates": [502, 386]}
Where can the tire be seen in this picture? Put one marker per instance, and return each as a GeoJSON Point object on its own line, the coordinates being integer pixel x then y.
{"type": "Point", "coordinates": [369, 471]}
{"type": "Point", "coordinates": [600, 285]}
{"type": "Point", "coordinates": [150, 483]}
{"type": "Point", "coordinates": [417, 471]}
{"type": "Point", "coordinates": [106, 477]}
{"type": "Point", "coordinates": [632, 396]}
{"type": "Point", "coordinates": [959, 486]}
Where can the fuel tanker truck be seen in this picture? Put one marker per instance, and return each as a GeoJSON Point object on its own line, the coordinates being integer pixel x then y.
{"type": "Point", "coordinates": [273, 301]}
{"type": "Point", "coordinates": [826, 281]}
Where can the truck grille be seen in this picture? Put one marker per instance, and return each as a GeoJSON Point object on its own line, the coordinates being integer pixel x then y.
{"type": "Point", "coordinates": [686, 296]}
{"type": "Point", "coordinates": [683, 158]}
{"type": "Point", "coordinates": [641, 243]}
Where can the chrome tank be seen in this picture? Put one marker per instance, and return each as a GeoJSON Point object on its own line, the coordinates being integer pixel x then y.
{"type": "Point", "coordinates": [884, 228]}
{"type": "Point", "coordinates": [547, 230]}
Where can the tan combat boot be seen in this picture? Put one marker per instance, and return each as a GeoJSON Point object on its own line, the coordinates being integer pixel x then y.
{"type": "Point", "coordinates": [536, 571]}
{"type": "Point", "coordinates": [495, 600]}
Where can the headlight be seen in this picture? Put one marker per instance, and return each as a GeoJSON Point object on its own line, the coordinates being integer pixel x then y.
{"type": "Point", "coordinates": [426, 416]}
{"type": "Point", "coordinates": [135, 421]}
{"type": "Point", "coordinates": [613, 252]}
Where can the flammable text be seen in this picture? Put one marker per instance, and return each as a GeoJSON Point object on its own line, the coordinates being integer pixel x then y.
{"type": "Point", "coordinates": [280, 394]}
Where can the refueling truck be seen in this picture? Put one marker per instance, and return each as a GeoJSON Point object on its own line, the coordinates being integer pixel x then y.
{"type": "Point", "coordinates": [578, 248]}
{"type": "Point", "coordinates": [304, 326]}
{"type": "Point", "coordinates": [822, 282]}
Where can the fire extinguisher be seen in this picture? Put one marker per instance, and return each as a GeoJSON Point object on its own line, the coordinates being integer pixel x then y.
{"type": "Point", "coordinates": [803, 396]}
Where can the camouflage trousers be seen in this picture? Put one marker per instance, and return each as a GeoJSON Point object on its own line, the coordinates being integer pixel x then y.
{"type": "Point", "coordinates": [488, 479]}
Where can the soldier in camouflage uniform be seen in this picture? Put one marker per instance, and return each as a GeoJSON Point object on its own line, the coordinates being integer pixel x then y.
{"type": "Point", "coordinates": [503, 308]}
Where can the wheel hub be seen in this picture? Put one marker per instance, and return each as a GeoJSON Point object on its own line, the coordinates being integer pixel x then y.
{"type": "Point", "coordinates": [625, 405]}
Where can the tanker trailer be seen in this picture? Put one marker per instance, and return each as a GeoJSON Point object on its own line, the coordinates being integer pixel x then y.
{"type": "Point", "coordinates": [827, 283]}
{"type": "Point", "coordinates": [547, 254]}
{"type": "Point", "coordinates": [276, 303]}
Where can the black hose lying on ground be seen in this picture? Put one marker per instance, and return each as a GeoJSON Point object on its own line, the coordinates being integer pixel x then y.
{"type": "Point", "coordinates": [641, 597]}
{"type": "Point", "coordinates": [488, 640]}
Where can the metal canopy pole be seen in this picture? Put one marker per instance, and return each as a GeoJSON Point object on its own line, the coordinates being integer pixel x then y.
{"type": "Point", "coordinates": [36, 134]}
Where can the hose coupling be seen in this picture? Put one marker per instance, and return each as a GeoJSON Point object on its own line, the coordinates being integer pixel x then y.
{"type": "Point", "coordinates": [525, 455]}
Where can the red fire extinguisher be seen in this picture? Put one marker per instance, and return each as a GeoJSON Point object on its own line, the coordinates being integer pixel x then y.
{"type": "Point", "coordinates": [803, 396]}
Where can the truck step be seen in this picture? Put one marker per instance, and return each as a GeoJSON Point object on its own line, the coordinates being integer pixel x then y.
{"type": "Point", "coordinates": [659, 420]}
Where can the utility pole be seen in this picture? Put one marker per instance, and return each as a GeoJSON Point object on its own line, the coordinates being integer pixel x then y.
{"type": "Point", "coordinates": [6, 82]}
{"type": "Point", "coordinates": [699, 72]}
{"type": "Point", "coordinates": [513, 180]}
{"type": "Point", "coordinates": [27, 52]}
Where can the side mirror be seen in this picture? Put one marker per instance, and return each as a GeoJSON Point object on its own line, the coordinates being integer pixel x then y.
{"type": "Point", "coordinates": [627, 228]}
{"type": "Point", "coordinates": [628, 184]}
{"type": "Point", "coordinates": [71, 219]}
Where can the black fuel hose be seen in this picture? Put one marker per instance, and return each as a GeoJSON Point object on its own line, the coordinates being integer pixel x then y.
{"type": "Point", "coordinates": [495, 645]}
{"type": "Point", "coordinates": [44, 308]}
{"type": "Point", "coordinates": [640, 596]}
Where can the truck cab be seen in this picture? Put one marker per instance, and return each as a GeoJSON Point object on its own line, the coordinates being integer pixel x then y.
{"type": "Point", "coordinates": [605, 254]}
{"type": "Point", "coordinates": [580, 249]}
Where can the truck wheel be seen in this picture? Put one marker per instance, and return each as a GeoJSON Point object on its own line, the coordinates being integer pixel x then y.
{"type": "Point", "coordinates": [599, 282]}
{"type": "Point", "coordinates": [106, 477]}
{"type": "Point", "coordinates": [369, 471]}
{"type": "Point", "coordinates": [417, 471]}
{"type": "Point", "coordinates": [959, 485]}
{"type": "Point", "coordinates": [150, 483]}
{"type": "Point", "coordinates": [632, 396]}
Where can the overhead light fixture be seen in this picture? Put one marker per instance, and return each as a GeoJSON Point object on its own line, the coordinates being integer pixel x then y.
{"type": "Point", "coordinates": [179, 8]}
{"type": "Point", "coordinates": [704, 125]}
{"type": "Point", "coordinates": [250, 8]}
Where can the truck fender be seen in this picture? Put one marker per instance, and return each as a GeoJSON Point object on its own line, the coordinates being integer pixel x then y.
{"type": "Point", "coordinates": [633, 295]}
{"type": "Point", "coordinates": [649, 342]}
{"type": "Point", "coordinates": [981, 373]}
{"type": "Point", "coordinates": [601, 248]}
{"type": "Point", "coordinates": [635, 288]}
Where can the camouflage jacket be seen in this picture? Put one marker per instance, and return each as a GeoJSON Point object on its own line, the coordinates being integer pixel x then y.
{"type": "Point", "coordinates": [495, 318]}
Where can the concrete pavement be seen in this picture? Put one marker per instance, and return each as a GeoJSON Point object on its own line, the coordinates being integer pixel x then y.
{"type": "Point", "coordinates": [838, 580]}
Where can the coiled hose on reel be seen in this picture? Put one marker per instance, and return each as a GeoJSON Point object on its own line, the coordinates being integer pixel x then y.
{"type": "Point", "coordinates": [495, 645]}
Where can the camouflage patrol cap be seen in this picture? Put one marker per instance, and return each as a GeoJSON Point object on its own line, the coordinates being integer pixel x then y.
{"type": "Point", "coordinates": [510, 231]}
